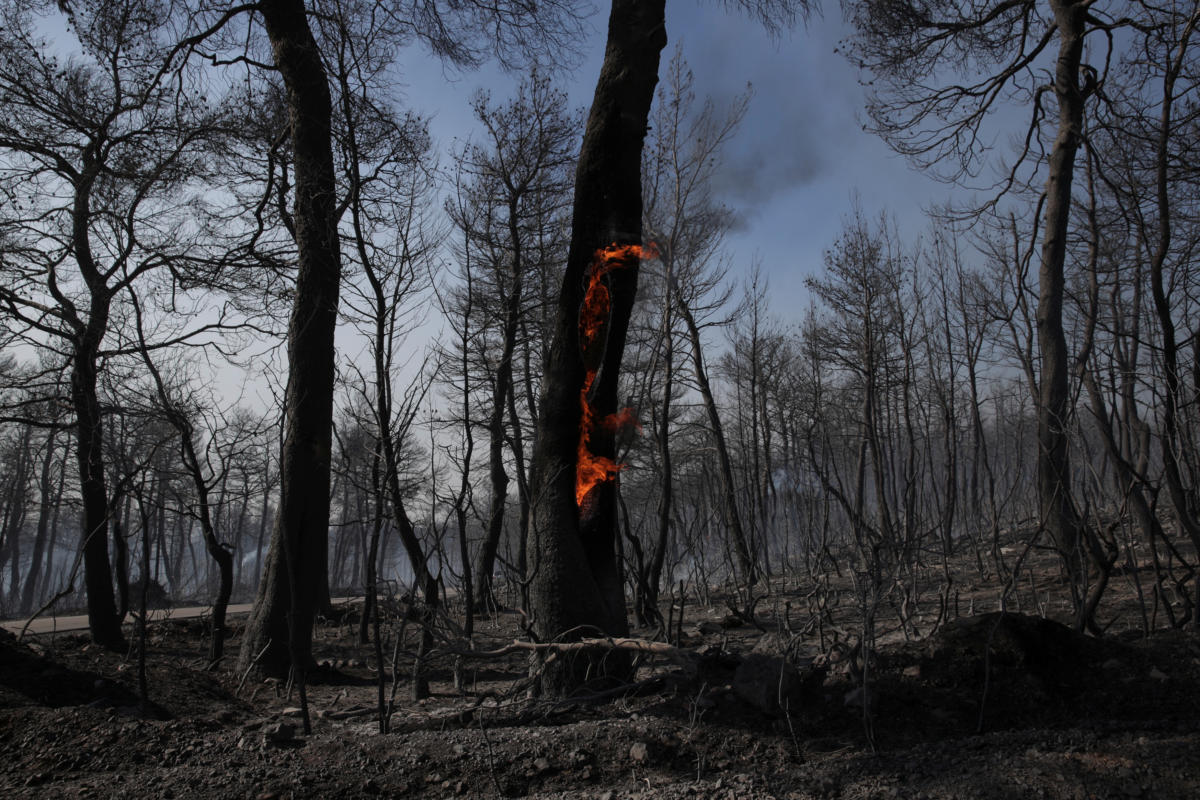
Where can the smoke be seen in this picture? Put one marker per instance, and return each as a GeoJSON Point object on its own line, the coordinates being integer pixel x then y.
{"type": "Point", "coordinates": [760, 167]}
{"type": "Point", "coordinates": [805, 101]}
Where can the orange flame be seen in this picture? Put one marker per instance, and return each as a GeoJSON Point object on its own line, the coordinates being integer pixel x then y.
{"type": "Point", "coordinates": [591, 469]}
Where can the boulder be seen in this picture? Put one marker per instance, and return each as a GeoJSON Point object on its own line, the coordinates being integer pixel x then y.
{"type": "Point", "coordinates": [773, 684]}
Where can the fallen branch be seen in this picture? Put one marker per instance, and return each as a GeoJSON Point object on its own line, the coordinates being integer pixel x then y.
{"type": "Point", "coordinates": [583, 645]}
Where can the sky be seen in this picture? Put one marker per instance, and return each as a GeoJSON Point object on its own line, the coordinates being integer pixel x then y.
{"type": "Point", "coordinates": [792, 173]}
{"type": "Point", "coordinates": [800, 159]}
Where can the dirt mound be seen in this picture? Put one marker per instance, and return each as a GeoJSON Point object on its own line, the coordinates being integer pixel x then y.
{"type": "Point", "coordinates": [1006, 671]}
{"type": "Point", "coordinates": [31, 678]}
{"type": "Point", "coordinates": [75, 673]}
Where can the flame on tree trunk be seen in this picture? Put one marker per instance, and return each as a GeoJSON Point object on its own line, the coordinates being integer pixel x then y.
{"type": "Point", "coordinates": [575, 583]}
{"type": "Point", "coordinates": [592, 469]}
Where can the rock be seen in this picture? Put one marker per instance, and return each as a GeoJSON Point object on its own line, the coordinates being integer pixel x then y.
{"type": "Point", "coordinates": [913, 671]}
{"type": "Point", "coordinates": [279, 733]}
{"type": "Point", "coordinates": [771, 684]}
{"type": "Point", "coordinates": [1111, 664]}
{"type": "Point", "coordinates": [639, 752]}
{"type": "Point", "coordinates": [541, 764]}
{"type": "Point", "coordinates": [1158, 675]}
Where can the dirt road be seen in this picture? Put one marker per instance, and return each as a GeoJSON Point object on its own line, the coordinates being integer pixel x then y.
{"type": "Point", "coordinates": [51, 624]}
{"type": "Point", "coordinates": [78, 622]}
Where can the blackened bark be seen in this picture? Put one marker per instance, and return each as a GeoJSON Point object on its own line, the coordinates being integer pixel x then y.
{"type": "Point", "coordinates": [97, 570]}
{"type": "Point", "coordinates": [426, 581]}
{"type": "Point", "coordinates": [46, 495]}
{"type": "Point", "coordinates": [370, 609]}
{"type": "Point", "coordinates": [575, 583]}
{"type": "Point", "coordinates": [301, 528]}
{"type": "Point", "coordinates": [648, 611]}
{"type": "Point", "coordinates": [502, 388]}
{"type": "Point", "coordinates": [484, 598]}
{"type": "Point", "coordinates": [733, 514]}
{"type": "Point", "coordinates": [464, 486]}
{"type": "Point", "coordinates": [121, 563]}
{"type": "Point", "coordinates": [1183, 496]}
{"type": "Point", "coordinates": [217, 551]}
{"type": "Point", "coordinates": [1058, 514]}
{"type": "Point", "coordinates": [103, 622]}
{"type": "Point", "coordinates": [14, 516]}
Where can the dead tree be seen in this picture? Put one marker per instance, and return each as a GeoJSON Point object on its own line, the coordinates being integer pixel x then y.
{"type": "Point", "coordinates": [575, 583]}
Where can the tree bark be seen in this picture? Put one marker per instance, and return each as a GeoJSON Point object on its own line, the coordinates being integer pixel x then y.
{"type": "Point", "coordinates": [575, 584]}
{"type": "Point", "coordinates": [1058, 514]}
{"type": "Point", "coordinates": [502, 387]}
{"type": "Point", "coordinates": [733, 515]}
{"type": "Point", "coordinates": [648, 612]}
{"type": "Point", "coordinates": [14, 517]}
{"type": "Point", "coordinates": [103, 622]}
{"type": "Point", "coordinates": [1183, 496]}
{"type": "Point", "coordinates": [46, 495]}
{"type": "Point", "coordinates": [301, 528]}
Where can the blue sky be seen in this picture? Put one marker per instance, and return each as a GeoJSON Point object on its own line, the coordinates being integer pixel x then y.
{"type": "Point", "coordinates": [800, 158]}
{"type": "Point", "coordinates": [798, 161]}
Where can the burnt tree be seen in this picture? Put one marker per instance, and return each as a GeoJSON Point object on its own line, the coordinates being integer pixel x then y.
{"type": "Point", "coordinates": [576, 588]}
{"type": "Point", "coordinates": [302, 525]}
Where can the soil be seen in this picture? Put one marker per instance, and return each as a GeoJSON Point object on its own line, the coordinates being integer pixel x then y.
{"type": "Point", "coordinates": [989, 706]}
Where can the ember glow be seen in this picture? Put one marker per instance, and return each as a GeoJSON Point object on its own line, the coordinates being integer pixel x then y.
{"type": "Point", "coordinates": [591, 469]}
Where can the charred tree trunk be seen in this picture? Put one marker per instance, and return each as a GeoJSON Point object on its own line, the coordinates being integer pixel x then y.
{"type": "Point", "coordinates": [14, 517]}
{"type": "Point", "coordinates": [461, 499]}
{"type": "Point", "coordinates": [1057, 510]}
{"type": "Point", "coordinates": [733, 515]}
{"type": "Point", "coordinates": [502, 389]}
{"type": "Point", "coordinates": [218, 551]}
{"type": "Point", "coordinates": [46, 495]}
{"type": "Point", "coordinates": [87, 334]}
{"type": "Point", "coordinates": [103, 622]}
{"type": "Point", "coordinates": [302, 524]}
{"type": "Point", "coordinates": [648, 612]}
{"type": "Point", "coordinates": [497, 474]}
{"type": "Point", "coordinates": [517, 446]}
{"type": "Point", "coordinates": [121, 560]}
{"type": "Point", "coordinates": [575, 583]}
{"type": "Point", "coordinates": [1183, 496]}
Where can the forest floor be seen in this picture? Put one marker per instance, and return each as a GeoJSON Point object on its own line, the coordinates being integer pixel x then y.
{"type": "Point", "coordinates": [989, 706]}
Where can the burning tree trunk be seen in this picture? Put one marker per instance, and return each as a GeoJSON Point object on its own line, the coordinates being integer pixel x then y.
{"type": "Point", "coordinates": [575, 584]}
